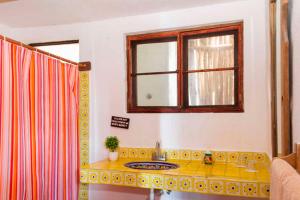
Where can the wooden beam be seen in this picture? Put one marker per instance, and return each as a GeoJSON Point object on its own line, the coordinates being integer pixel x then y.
{"type": "Point", "coordinates": [297, 148]}
{"type": "Point", "coordinates": [285, 82]}
{"type": "Point", "coordinates": [274, 128]}
{"type": "Point", "coordinates": [4, 1]}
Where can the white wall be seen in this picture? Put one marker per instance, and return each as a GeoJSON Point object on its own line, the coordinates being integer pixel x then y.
{"type": "Point", "coordinates": [295, 28]}
{"type": "Point", "coordinates": [4, 30]}
{"type": "Point", "coordinates": [103, 43]}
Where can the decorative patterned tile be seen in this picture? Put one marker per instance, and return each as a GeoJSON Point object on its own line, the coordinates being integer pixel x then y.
{"type": "Point", "coordinates": [219, 156]}
{"type": "Point", "coordinates": [83, 113]}
{"type": "Point", "coordinates": [259, 157]}
{"type": "Point", "coordinates": [201, 185]}
{"type": "Point", "coordinates": [185, 154]}
{"type": "Point", "coordinates": [117, 178]}
{"type": "Point", "coordinates": [84, 130]}
{"type": "Point", "coordinates": [250, 189]}
{"type": "Point", "coordinates": [105, 177]}
{"type": "Point", "coordinates": [84, 144]}
{"type": "Point", "coordinates": [197, 155]}
{"type": "Point", "coordinates": [94, 177]}
{"type": "Point", "coordinates": [216, 186]}
{"type": "Point", "coordinates": [84, 186]}
{"type": "Point", "coordinates": [130, 179]}
{"type": "Point", "coordinates": [233, 188]}
{"type": "Point", "coordinates": [84, 125]}
{"type": "Point", "coordinates": [133, 153]}
{"type": "Point", "coordinates": [185, 183]}
{"type": "Point", "coordinates": [83, 193]}
{"type": "Point", "coordinates": [143, 153]}
{"type": "Point", "coordinates": [84, 175]}
{"type": "Point", "coordinates": [245, 157]}
{"type": "Point", "coordinates": [233, 157]}
{"type": "Point", "coordinates": [171, 183]}
{"type": "Point", "coordinates": [264, 190]}
{"type": "Point", "coordinates": [123, 152]}
{"type": "Point", "coordinates": [157, 181]}
{"type": "Point", "coordinates": [84, 134]}
{"type": "Point", "coordinates": [143, 180]}
{"type": "Point", "coordinates": [173, 154]}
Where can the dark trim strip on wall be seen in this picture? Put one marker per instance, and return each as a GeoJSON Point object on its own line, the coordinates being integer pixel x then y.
{"type": "Point", "coordinates": [40, 44]}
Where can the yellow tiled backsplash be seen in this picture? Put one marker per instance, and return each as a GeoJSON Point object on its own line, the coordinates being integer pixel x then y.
{"type": "Point", "coordinates": [184, 154]}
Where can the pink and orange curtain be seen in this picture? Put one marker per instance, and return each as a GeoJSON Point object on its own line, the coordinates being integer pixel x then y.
{"type": "Point", "coordinates": [39, 147]}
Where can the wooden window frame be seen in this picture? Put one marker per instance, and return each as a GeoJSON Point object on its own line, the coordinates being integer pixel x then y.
{"type": "Point", "coordinates": [180, 36]}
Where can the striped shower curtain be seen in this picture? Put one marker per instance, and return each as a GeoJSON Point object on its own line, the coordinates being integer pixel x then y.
{"type": "Point", "coordinates": [39, 147]}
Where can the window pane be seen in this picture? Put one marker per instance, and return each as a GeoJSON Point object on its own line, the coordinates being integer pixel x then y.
{"type": "Point", "coordinates": [157, 90]}
{"type": "Point", "coordinates": [156, 57]}
{"type": "Point", "coordinates": [211, 88]}
{"type": "Point", "coordinates": [211, 52]}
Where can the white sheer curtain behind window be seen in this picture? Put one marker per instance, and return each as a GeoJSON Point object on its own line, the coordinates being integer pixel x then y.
{"type": "Point", "coordinates": [211, 87]}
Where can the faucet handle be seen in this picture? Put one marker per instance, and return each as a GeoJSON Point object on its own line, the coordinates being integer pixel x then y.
{"type": "Point", "coordinates": [157, 145]}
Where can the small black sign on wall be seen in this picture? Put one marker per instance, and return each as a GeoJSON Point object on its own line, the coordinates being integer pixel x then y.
{"type": "Point", "coordinates": [120, 122]}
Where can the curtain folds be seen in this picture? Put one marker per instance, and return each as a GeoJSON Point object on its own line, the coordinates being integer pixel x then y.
{"type": "Point", "coordinates": [39, 147]}
{"type": "Point", "coordinates": [211, 88]}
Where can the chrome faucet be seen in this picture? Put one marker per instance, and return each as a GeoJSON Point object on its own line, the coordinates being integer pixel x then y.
{"type": "Point", "coordinates": [158, 155]}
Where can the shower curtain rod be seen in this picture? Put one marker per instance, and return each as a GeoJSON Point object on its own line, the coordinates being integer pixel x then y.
{"type": "Point", "coordinates": [37, 50]}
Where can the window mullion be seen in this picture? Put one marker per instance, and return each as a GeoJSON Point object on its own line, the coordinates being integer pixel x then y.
{"type": "Point", "coordinates": [154, 73]}
{"type": "Point", "coordinates": [211, 70]}
{"type": "Point", "coordinates": [180, 84]}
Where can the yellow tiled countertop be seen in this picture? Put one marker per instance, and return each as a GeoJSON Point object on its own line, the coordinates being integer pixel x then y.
{"type": "Point", "coordinates": [224, 177]}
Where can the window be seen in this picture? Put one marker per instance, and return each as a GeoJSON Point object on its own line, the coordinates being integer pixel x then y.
{"type": "Point", "coordinates": [65, 49]}
{"type": "Point", "coordinates": [196, 70]}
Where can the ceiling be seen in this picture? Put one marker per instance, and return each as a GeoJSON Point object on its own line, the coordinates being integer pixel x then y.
{"type": "Point", "coordinates": [28, 13]}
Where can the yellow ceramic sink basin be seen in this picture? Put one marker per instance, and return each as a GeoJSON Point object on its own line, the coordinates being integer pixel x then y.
{"type": "Point", "coordinates": [155, 165]}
